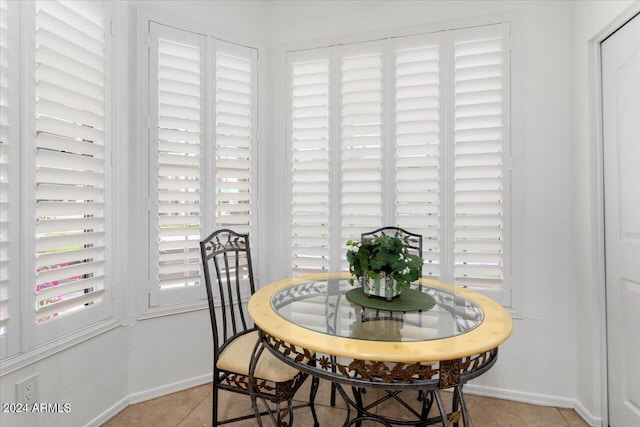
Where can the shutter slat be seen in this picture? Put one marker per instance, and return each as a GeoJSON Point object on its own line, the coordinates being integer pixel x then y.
{"type": "Point", "coordinates": [67, 272]}
{"type": "Point", "coordinates": [63, 225]}
{"type": "Point", "coordinates": [181, 245]}
{"type": "Point", "coordinates": [67, 288]}
{"type": "Point", "coordinates": [179, 159]}
{"type": "Point", "coordinates": [176, 111]}
{"type": "Point", "coordinates": [179, 172]}
{"type": "Point", "coordinates": [190, 255]}
{"type": "Point", "coordinates": [179, 124]}
{"type": "Point", "coordinates": [54, 142]}
{"type": "Point", "coordinates": [70, 177]}
{"type": "Point", "coordinates": [68, 192]}
{"type": "Point", "coordinates": [69, 209]}
{"type": "Point", "coordinates": [51, 242]}
{"type": "Point", "coordinates": [178, 196]}
{"type": "Point", "coordinates": [68, 160]}
{"type": "Point", "coordinates": [68, 257]}
{"type": "Point", "coordinates": [177, 135]}
{"type": "Point", "coordinates": [178, 184]}
{"type": "Point", "coordinates": [176, 283]}
{"type": "Point", "coordinates": [54, 126]}
{"type": "Point", "coordinates": [173, 208]}
{"type": "Point", "coordinates": [55, 308]}
{"type": "Point", "coordinates": [178, 147]}
{"type": "Point", "coordinates": [184, 268]}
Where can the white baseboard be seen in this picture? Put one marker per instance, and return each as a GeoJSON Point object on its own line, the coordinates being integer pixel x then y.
{"type": "Point", "coordinates": [534, 399]}
{"type": "Point", "coordinates": [148, 395]}
{"type": "Point", "coordinates": [109, 413]}
{"type": "Point", "coordinates": [519, 396]}
{"type": "Point", "coordinates": [587, 416]}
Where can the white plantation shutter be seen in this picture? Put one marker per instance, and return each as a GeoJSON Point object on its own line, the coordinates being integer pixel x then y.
{"type": "Point", "coordinates": [8, 143]}
{"type": "Point", "coordinates": [309, 98]}
{"type": "Point", "coordinates": [418, 145]}
{"type": "Point", "coordinates": [437, 168]}
{"type": "Point", "coordinates": [176, 141]}
{"type": "Point", "coordinates": [234, 105]}
{"type": "Point", "coordinates": [71, 171]}
{"type": "Point", "coordinates": [361, 111]}
{"type": "Point", "coordinates": [480, 154]}
{"type": "Point", "coordinates": [202, 105]}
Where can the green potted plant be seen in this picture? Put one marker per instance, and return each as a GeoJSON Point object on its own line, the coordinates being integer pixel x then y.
{"type": "Point", "coordinates": [383, 265]}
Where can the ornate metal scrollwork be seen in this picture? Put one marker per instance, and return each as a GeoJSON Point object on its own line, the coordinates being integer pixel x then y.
{"type": "Point", "coordinates": [448, 372]}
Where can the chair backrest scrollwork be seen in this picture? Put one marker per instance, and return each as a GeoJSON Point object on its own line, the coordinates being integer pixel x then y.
{"type": "Point", "coordinates": [226, 258]}
{"type": "Point", "coordinates": [412, 241]}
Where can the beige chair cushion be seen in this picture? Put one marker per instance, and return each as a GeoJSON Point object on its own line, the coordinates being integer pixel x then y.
{"type": "Point", "coordinates": [236, 357]}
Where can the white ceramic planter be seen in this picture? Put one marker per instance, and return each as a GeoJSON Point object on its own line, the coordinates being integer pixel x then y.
{"type": "Point", "coordinates": [380, 287]}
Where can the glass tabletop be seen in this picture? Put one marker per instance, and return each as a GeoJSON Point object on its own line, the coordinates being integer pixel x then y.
{"type": "Point", "coordinates": [322, 306]}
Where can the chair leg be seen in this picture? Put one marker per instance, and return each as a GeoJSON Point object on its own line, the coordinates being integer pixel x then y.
{"type": "Point", "coordinates": [214, 408]}
{"type": "Point", "coordinates": [257, 352]}
{"type": "Point", "coordinates": [332, 401]}
{"type": "Point", "coordinates": [315, 382]}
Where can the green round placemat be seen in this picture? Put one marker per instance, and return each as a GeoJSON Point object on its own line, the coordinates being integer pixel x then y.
{"type": "Point", "coordinates": [408, 300]}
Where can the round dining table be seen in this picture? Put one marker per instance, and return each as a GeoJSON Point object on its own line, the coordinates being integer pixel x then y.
{"type": "Point", "coordinates": [451, 337]}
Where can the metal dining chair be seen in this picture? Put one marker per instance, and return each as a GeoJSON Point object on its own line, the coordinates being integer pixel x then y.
{"type": "Point", "coordinates": [413, 243]}
{"type": "Point", "coordinates": [226, 260]}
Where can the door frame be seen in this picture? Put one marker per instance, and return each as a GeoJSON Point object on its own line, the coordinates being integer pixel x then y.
{"type": "Point", "coordinates": [596, 151]}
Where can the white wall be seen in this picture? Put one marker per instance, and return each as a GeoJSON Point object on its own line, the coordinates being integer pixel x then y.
{"type": "Point", "coordinates": [244, 18]}
{"type": "Point", "coordinates": [538, 363]}
{"type": "Point", "coordinates": [590, 19]}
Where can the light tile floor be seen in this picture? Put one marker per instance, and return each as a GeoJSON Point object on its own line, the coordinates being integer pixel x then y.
{"type": "Point", "coordinates": [192, 407]}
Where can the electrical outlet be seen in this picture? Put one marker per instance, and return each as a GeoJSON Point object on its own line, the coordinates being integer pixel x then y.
{"type": "Point", "coordinates": [27, 390]}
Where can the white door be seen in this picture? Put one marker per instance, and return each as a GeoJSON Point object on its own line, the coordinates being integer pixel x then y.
{"type": "Point", "coordinates": [621, 133]}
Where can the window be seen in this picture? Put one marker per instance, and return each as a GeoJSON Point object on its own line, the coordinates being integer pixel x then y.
{"type": "Point", "coordinates": [62, 152]}
{"type": "Point", "coordinates": [202, 114]}
{"type": "Point", "coordinates": [409, 131]}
